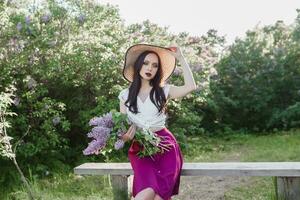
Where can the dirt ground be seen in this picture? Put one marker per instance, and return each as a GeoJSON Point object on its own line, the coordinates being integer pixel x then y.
{"type": "Point", "coordinates": [207, 187]}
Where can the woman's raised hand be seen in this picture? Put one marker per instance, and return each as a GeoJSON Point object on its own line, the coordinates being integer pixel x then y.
{"type": "Point", "coordinates": [175, 51]}
{"type": "Point", "coordinates": [129, 134]}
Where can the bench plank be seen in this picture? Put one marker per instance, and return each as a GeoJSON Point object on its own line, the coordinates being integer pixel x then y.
{"type": "Point", "coordinates": [286, 169]}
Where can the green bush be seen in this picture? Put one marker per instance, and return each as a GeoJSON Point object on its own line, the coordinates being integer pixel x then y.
{"type": "Point", "coordinates": [62, 63]}
{"type": "Point", "coordinates": [257, 86]}
{"type": "Point", "coordinates": [66, 60]}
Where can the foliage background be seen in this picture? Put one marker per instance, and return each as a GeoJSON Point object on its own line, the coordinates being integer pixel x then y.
{"type": "Point", "coordinates": [66, 60]}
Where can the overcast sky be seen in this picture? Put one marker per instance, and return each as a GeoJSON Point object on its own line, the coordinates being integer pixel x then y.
{"type": "Point", "coordinates": [231, 18]}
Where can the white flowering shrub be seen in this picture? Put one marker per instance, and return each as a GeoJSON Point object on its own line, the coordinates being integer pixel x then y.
{"type": "Point", "coordinates": [66, 58]}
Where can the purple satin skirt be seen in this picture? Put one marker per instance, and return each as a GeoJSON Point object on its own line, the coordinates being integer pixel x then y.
{"type": "Point", "coordinates": [162, 173]}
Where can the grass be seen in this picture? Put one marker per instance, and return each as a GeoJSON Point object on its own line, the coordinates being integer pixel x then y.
{"type": "Point", "coordinates": [67, 187]}
{"type": "Point", "coordinates": [261, 188]}
{"type": "Point", "coordinates": [282, 146]}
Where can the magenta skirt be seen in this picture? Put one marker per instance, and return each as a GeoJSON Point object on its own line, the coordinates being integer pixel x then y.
{"type": "Point", "coordinates": [162, 173]}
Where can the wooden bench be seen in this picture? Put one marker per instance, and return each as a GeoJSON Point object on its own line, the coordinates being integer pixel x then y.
{"type": "Point", "coordinates": [287, 182]}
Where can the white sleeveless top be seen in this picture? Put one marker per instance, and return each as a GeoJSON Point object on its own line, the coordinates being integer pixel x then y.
{"type": "Point", "coordinates": [148, 117]}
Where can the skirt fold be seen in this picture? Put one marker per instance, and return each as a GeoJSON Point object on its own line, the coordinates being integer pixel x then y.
{"type": "Point", "coordinates": [162, 173]}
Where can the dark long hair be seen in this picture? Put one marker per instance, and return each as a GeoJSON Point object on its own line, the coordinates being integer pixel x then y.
{"type": "Point", "coordinates": [134, 88]}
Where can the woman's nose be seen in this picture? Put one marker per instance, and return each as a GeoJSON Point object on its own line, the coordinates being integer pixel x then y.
{"type": "Point", "coordinates": [150, 67]}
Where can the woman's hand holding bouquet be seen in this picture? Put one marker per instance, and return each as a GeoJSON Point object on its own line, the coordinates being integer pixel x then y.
{"type": "Point", "coordinates": [109, 134]}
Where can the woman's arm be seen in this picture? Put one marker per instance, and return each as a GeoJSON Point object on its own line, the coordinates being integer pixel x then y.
{"type": "Point", "coordinates": [189, 82]}
{"type": "Point", "coordinates": [129, 135]}
{"type": "Point", "coordinates": [132, 129]}
{"type": "Point", "coordinates": [122, 107]}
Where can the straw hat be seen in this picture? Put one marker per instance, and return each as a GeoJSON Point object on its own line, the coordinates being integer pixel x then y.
{"type": "Point", "coordinates": [168, 61]}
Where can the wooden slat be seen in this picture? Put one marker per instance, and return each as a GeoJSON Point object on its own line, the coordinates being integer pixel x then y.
{"type": "Point", "coordinates": [203, 169]}
{"type": "Point", "coordinates": [104, 168]}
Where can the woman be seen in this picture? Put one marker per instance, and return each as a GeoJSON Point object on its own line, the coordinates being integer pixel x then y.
{"type": "Point", "coordinates": [147, 67]}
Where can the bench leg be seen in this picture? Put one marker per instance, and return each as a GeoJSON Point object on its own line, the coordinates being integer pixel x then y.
{"type": "Point", "coordinates": [288, 188]}
{"type": "Point", "coordinates": [120, 187]}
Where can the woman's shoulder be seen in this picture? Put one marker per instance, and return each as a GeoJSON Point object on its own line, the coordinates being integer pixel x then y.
{"type": "Point", "coordinates": [123, 94]}
{"type": "Point", "coordinates": [124, 90]}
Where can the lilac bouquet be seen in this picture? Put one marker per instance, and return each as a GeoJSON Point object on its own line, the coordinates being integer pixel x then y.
{"type": "Point", "coordinates": [107, 131]}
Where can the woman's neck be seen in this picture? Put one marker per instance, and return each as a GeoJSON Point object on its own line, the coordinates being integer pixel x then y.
{"type": "Point", "coordinates": [145, 86]}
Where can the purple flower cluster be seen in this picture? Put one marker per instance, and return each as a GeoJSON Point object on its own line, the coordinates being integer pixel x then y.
{"type": "Point", "coordinates": [101, 132]}
{"type": "Point", "coordinates": [27, 20]}
{"type": "Point", "coordinates": [56, 120]}
{"type": "Point", "coordinates": [19, 26]}
{"type": "Point", "coordinates": [81, 18]}
{"type": "Point", "coordinates": [16, 101]}
{"type": "Point", "coordinates": [119, 144]}
{"type": "Point", "coordinates": [46, 18]}
{"type": "Point", "coordinates": [31, 83]}
{"type": "Point", "coordinates": [105, 121]}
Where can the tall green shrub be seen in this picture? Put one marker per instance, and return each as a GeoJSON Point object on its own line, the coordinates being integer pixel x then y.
{"type": "Point", "coordinates": [257, 86]}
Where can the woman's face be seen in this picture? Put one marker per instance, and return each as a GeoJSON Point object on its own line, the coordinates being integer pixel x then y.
{"type": "Point", "coordinates": [150, 66]}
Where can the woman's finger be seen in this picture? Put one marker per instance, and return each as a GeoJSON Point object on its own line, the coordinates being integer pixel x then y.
{"type": "Point", "coordinates": [130, 129]}
{"type": "Point", "coordinates": [132, 133]}
{"type": "Point", "coordinates": [162, 147]}
{"type": "Point", "coordinates": [127, 136]}
{"type": "Point", "coordinates": [166, 146]}
{"type": "Point", "coordinates": [124, 137]}
{"type": "Point", "coordinates": [129, 133]}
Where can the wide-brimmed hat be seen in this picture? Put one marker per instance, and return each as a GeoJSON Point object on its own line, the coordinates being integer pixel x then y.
{"type": "Point", "coordinates": [168, 61]}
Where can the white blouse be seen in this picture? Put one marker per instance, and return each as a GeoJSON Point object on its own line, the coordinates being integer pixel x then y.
{"type": "Point", "coordinates": [148, 117]}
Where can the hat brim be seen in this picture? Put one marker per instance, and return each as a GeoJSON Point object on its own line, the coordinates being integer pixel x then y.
{"type": "Point", "coordinates": [168, 61]}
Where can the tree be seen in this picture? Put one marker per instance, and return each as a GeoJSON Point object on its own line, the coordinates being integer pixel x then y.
{"type": "Point", "coordinates": [6, 149]}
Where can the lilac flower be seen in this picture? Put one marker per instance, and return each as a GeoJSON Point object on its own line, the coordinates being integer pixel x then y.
{"type": "Point", "coordinates": [198, 68]}
{"type": "Point", "coordinates": [56, 120]}
{"type": "Point", "coordinates": [19, 26]}
{"type": "Point", "coordinates": [45, 18]}
{"type": "Point", "coordinates": [27, 20]}
{"type": "Point", "coordinates": [103, 133]}
{"type": "Point", "coordinates": [96, 121]}
{"type": "Point", "coordinates": [16, 101]}
{"type": "Point", "coordinates": [193, 40]}
{"type": "Point", "coordinates": [46, 107]}
{"type": "Point", "coordinates": [94, 147]}
{"type": "Point", "coordinates": [81, 18]}
{"type": "Point", "coordinates": [105, 121]}
{"type": "Point", "coordinates": [100, 132]}
{"type": "Point", "coordinates": [31, 83]}
{"type": "Point", "coordinates": [108, 120]}
{"type": "Point", "coordinates": [120, 133]}
{"type": "Point", "coordinates": [119, 144]}
{"type": "Point", "coordinates": [177, 72]}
